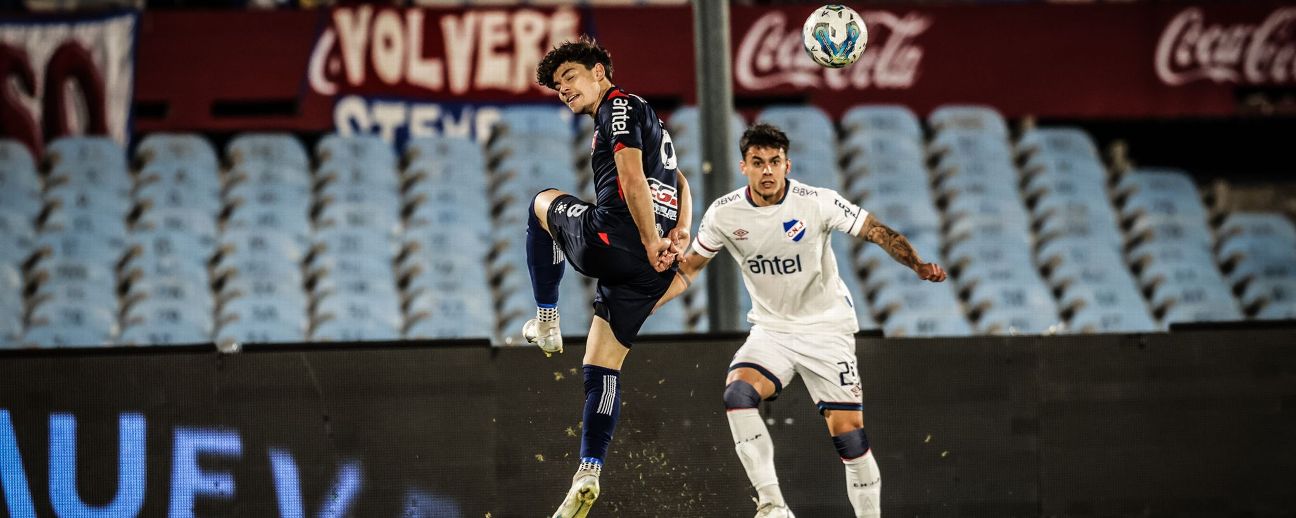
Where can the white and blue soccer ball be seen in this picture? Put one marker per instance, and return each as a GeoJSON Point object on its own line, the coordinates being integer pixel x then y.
{"type": "Point", "coordinates": [834, 36]}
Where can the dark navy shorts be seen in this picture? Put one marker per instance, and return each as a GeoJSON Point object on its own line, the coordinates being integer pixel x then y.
{"type": "Point", "coordinates": [628, 287]}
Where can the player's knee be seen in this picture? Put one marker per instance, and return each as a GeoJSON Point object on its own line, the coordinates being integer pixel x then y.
{"type": "Point", "coordinates": [851, 445]}
{"type": "Point", "coordinates": [739, 394]}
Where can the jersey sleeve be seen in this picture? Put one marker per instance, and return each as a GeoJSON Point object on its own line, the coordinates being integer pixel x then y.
{"type": "Point", "coordinates": [710, 239]}
{"type": "Point", "coordinates": [622, 122]}
{"type": "Point", "coordinates": [839, 213]}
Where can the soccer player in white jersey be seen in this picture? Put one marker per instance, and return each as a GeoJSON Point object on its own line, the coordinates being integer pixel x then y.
{"type": "Point", "coordinates": [802, 316]}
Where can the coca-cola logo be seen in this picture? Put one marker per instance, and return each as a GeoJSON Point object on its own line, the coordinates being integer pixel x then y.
{"type": "Point", "coordinates": [1190, 49]}
{"type": "Point", "coordinates": [771, 55]}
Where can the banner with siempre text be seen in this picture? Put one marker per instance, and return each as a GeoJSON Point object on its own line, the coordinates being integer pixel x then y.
{"type": "Point", "coordinates": [66, 76]}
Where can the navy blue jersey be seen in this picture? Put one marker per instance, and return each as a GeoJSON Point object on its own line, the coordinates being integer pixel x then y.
{"type": "Point", "coordinates": [623, 121]}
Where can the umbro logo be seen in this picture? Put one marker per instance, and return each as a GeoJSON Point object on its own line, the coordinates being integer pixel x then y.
{"type": "Point", "coordinates": [741, 234]}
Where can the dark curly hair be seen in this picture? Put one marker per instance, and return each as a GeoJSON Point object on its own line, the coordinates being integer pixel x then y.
{"type": "Point", "coordinates": [585, 51]}
{"type": "Point", "coordinates": [762, 135]}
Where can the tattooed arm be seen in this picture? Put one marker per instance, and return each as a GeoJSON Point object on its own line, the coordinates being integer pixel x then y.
{"type": "Point", "coordinates": [900, 249]}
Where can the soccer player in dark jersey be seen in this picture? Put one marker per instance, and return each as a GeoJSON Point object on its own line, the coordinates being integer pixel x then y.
{"type": "Point", "coordinates": [628, 240]}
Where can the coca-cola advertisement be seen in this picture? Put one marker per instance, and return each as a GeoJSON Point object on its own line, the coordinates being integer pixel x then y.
{"type": "Point", "coordinates": [66, 76]}
{"type": "Point", "coordinates": [395, 71]}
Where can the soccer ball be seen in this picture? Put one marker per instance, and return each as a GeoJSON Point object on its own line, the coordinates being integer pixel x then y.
{"type": "Point", "coordinates": [834, 36]}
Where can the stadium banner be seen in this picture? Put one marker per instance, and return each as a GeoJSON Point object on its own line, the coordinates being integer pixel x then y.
{"type": "Point", "coordinates": [67, 76]}
{"type": "Point", "coordinates": [1161, 424]}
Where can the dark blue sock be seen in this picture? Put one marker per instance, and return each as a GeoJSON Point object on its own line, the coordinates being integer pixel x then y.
{"type": "Point", "coordinates": [545, 261]}
{"type": "Point", "coordinates": [602, 408]}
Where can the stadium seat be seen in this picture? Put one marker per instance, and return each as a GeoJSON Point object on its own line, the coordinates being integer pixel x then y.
{"type": "Point", "coordinates": [1067, 166]}
{"type": "Point", "coordinates": [359, 216]}
{"type": "Point", "coordinates": [94, 276]}
{"type": "Point", "coordinates": [169, 313]}
{"type": "Point", "coordinates": [545, 119]}
{"type": "Point", "coordinates": [179, 291]}
{"type": "Point", "coordinates": [148, 245]}
{"type": "Point", "coordinates": [11, 326]}
{"type": "Point", "coordinates": [163, 196]}
{"type": "Point", "coordinates": [342, 172]}
{"type": "Point", "coordinates": [1259, 224]}
{"type": "Point", "coordinates": [461, 152]}
{"type": "Point", "coordinates": [164, 334]}
{"type": "Point", "coordinates": [70, 324]}
{"type": "Point", "coordinates": [1260, 292]}
{"type": "Point", "coordinates": [970, 118]}
{"type": "Point", "coordinates": [437, 315]}
{"type": "Point", "coordinates": [1062, 140]}
{"type": "Point", "coordinates": [669, 319]}
{"type": "Point", "coordinates": [1018, 321]}
{"type": "Point", "coordinates": [264, 312]}
{"type": "Point", "coordinates": [261, 174]}
{"type": "Point", "coordinates": [190, 149]}
{"type": "Point", "coordinates": [370, 150]}
{"type": "Point", "coordinates": [800, 122]}
{"type": "Point", "coordinates": [86, 294]}
{"type": "Point", "coordinates": [203, 177]}
{"type": "Point", "coordinates": [279, 149]}
{"type": "Point", "coordinates": [884, 145]}
{"type": "Point", "coordinates": [347, 330]}
{"type": "Point", "coordinates": [926, 324]}
{"type": "Point", "coordinates": [1215, 310]}
{"type": "Point", "coordinates": [103, 153]}
{"type": "Point", "coordinates": [1278, 311]}
{"type": "Point", "coordinates": [882, 118]}
{"type": "Point", "coordinates": [17, 163]}
{"type": "Point", "coordinates": [261, 329]}
{"type": "Point", "coordinates": [1098, 319]}
{"type": "Point", "coordinates": [20, 201]}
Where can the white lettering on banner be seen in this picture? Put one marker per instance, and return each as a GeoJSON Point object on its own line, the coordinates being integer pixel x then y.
{"type": "Point", "coordinates": [771, 55]}
{"type": "Point", "coordinates": [1190, 50]}
{"type": "Point", "coordinates": [355, 115]}
{"type": "Point", "coordinates": [495, 49]}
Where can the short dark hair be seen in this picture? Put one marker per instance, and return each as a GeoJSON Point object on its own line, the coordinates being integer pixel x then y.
{"type": "Point", "coordinates": [585, 51]}
{"type": "Point", "coordinates": [762, 135]}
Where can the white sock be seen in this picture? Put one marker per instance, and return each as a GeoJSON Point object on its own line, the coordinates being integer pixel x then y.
{"type": "Point", "coordinates": [864, 486]}
{"type": "Point", "coordinates": [756, 451]}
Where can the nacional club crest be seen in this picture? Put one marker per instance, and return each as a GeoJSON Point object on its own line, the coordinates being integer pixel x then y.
{"type": "Point", "coordinates": [794, 229]}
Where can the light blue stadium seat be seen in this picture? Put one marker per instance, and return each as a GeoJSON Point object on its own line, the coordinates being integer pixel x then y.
{"type": "Point", "coordinates": [1098, 274]}
{"type": "Point", "coordinates": [1270, 225]}
{"type": "Point", "coordinates": [973, 250]}
{"type": "Point", "coordinates": [84, 294]}
{"type": "Point", "coordinates": [994, 273]}
{"type": "Point", "coordinates": [1051, 206]}
{"type": "Point", "coordinates": [388, 199]}
{"type": "Point", "coordinates": [470, 177]}
{"type": "Point", "coordinates": [99, 178]}
{"type": "Point", "coordinates": [435, 241]}
{"type": "Point", "coordinates": [540, 147]}
{"type": "Point", "coordinates": [988, 226]}
{"type": "Point", "coordinates": [376, 307]}
{"type": "Point", "coordinates": [987, 163]}
{"type": "Point", "coordinates": [169, 313]}
{"type": "Point", "coordinates": [251, 194]}
{"type": "Point", "coordinates": [178, 148]}
{"type": "Point", "coordinates": [1004, 209]}
{"type": "Point", "coordinates": [360, 216]}
{"type": "Point", "coordinates": [258, 174]}
{"type": "Point", "coordinates": [547, 119]}
{"type": "Point", "coordinates": [671, 318]}
{"type": "Point", "coordinates": [1030, 295]}
{"type": "Point", "coordinates": [1202, 290]}
{"type": "Point", "coordinates": [1098, 319]}
{"type": "Point", "coordinates": [355, 330]}
{"type": "Point", "coordinates": [265, 312]}
{"type": "Point", "coordinates": [354, 242]}
{"type": "Point", "coordinates": [1067, 166]}
{"type": "Point", "coordinates": [94, 276]}
{"type": "Point", "coordinates": [282, 149]}
{"type": "Point", "coordinates": [1018, 321]}
{"type": "Point", "coordinates": [957, 186]}
{"type": "Point", "coordinates": [1170, 182]}
{"type": "Point", "coordinates": [261, 330]}
{"type": "Point", "coordinates": [1095, 230]}
{"type": "Point", "coordinates": [1060, 140]}
{"type": "Point", "coordinates": [342, 172]}
{"type": "Point", "coordinates": [800, 122]}
{"type": "Point", "coordinates": [1070, 187]}
{"type": "Point", "coordinates": [902, 297]}
{"type": "Point", "coordinates": [444, 316]}
{"type": "Point", "coordinates": [858, 168]}
{"type": "Point", "coordinates": [71, 198]}
{"type": "Point", "coordinates": [1214, 310]}
{"type": "Point", "coordinates": [910, 189]}
{"type": "Point", "coordinates": [11, 326]}
{"type": "Point", "coordinates": [370, 150]}
{"type": "Point", "coordinates": [882, 118]}
{"type": "Point", "coordinates": [447, 273]}
{"type": "Point", "coordinates": [1279, 311]}
{"type": "Point", "coordinates": [1242, 247]}
{"type": "Point", "coordinates": [926, 324]}
{"type": "Point", "coordinates": [379, 291]}
{"type": "Point", "coordinates": [427, 201]}
{"type": "Point", "coordinates": [445, 150]}
{"type": "Point", "coordinates": [1155, 206]}
{"type": "Point", "coordinates": [286, 220]}
{"type": "Point", "coordinates": [238, 243]}
{"type": "Point", "coordinates": [180, 291]}
{"type": "Point", "coordinates": [1263, 268]}
{"type": "Point", "coordinates": [968, 117]}
{"type": "Point", "coordinates": [153, 266]}
{"type": "Point", "coordinates": [1185, 233]}
{"type": "Point", "coordinates": [104, 152]}
{"type": "Point", "coordinates": [1263, 291]}
{"type": "Point", "coordinates": [248, 275]}
{"type": "Point", "coordinates": [687, 121]}
{"type": "Point", "coordinates": [181, 333]}
{"type": "Point", "coordinates": [163, 196]}
{"type": "Point", "coordinates": [86, 247]}
{"type": "Point", "coordinates": [1190, 272]}
{"type": "Point", "coordinates": [196, 223]}
{"type": "Point", "coordinates": [69, 324]}
{"type": "Point", "coordinates": [1078, 250]}
{"type": "Point", "coordinates": [16, 162]}
{"type": "Point", "coordinates": [903, 215]}
{"type": "Point", "coordinates": [884, 145]}
{"type": "Point", "coordinates": [21, 201]}
{"type": "Point", "coordinates": [1102, 297]}
{"type": "Point", "coordinates": [201, 177]}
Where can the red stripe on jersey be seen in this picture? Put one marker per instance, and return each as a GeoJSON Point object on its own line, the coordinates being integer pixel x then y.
{"type": "Point", "coordinates": [603, 236]}
{"type": "Point", "coordinates": [613, 92]}
{"type": "Point", "coordinates": [707, 248]}
{"type": "Point", "coordinates": [620, 194]}
{"type": "Point", "coordinates": [619, 146]}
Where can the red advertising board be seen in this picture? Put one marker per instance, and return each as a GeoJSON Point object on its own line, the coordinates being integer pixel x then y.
{"type": "Point", "coordinates": [1101, 61]}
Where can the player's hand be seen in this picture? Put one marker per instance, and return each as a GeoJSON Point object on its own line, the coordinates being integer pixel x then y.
{"type": "Point", "coordinates": [660, 254]}
{"type": "Point", "coordinates": [679, 238]}
{"type": "Point", "coordinates": [930, 272]}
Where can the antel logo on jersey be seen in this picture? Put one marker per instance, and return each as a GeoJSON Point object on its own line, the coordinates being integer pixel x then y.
{"type": "Point", "coordinates": [776, 265]}
{"type": "Point", "coordinates": [771, 55]}
{"type": "Point", "coordinates": [665, 202]}
{"type": "Point", "coordinates": [794, 229]}
{"type": "Point", "coordinates": [620, 115]}
{"type": "Point", "coordinates": [1190, 50]}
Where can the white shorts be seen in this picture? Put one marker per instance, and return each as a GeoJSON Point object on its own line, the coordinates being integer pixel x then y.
{"type": "Point", "coordinates": [825, 361]}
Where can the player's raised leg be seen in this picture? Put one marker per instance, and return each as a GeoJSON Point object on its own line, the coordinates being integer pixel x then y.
{"type": "Point", "coordinates": [863, 480]}
{"type": "Point", "coordinates": [604, 356]}
{"type": "Point", "coordinates": [545, 264]}
{"type": "Point", "coordinates": [745, 388]}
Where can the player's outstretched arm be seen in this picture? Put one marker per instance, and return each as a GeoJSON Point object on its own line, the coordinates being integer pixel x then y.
{"type": "Point", "coordinates": [690, 266]}
{"type": "Point", "coordinates": [638, 197]}
{"type": "Point", "coordinates": [679, 235]}
{"type": "Point", "coordinates": [900, 249]}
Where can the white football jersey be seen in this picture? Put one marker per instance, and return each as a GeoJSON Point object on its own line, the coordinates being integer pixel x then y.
{"type": "Point", "coordinates": [785, 254]}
